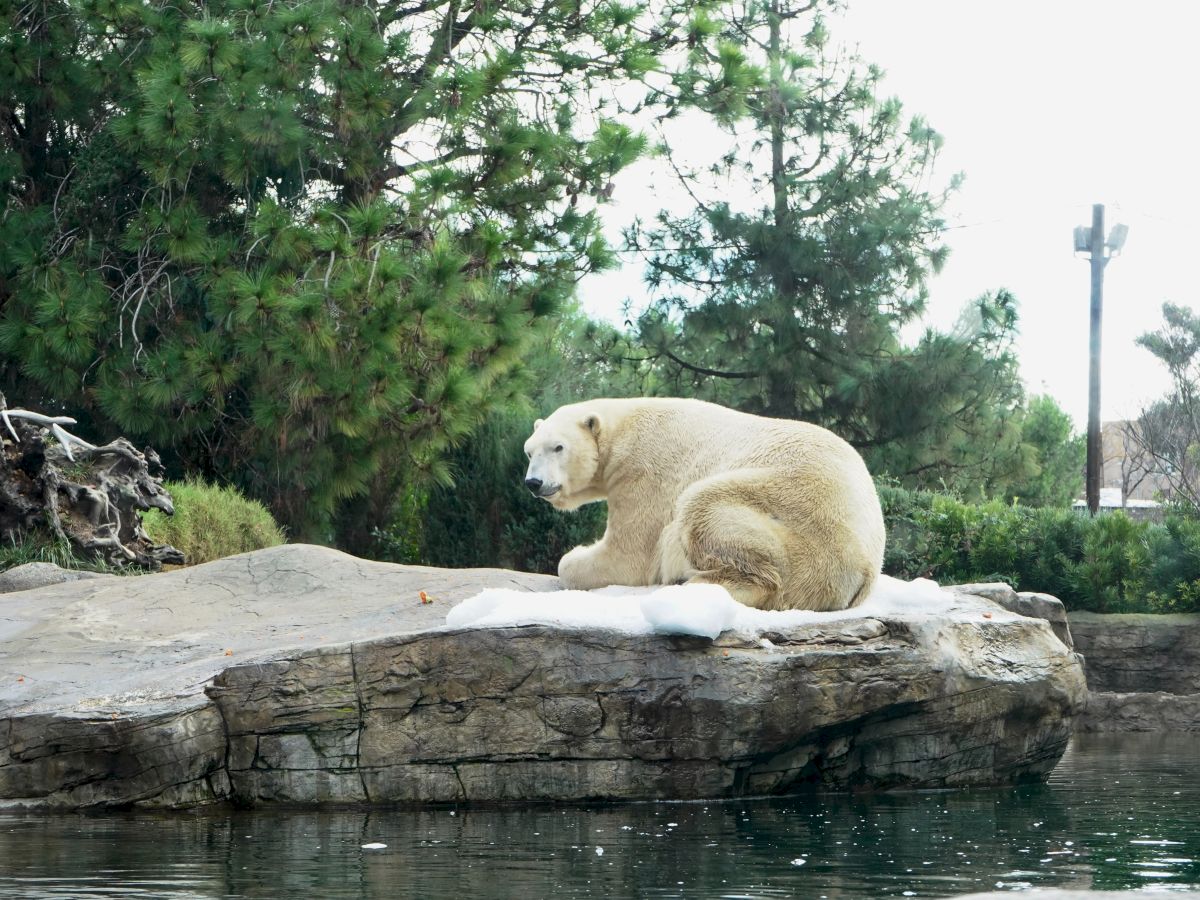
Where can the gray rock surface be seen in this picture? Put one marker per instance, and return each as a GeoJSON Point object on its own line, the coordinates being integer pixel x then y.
{"type": "Point", "coordinates": [40, 574]}
{"type": "Point", "coordinates": [299, 674]}
{"type": "Point", "coordinates": [1137, 652]}
{"type": "Point", "coordinates": [1143, 671]}
{"type": "Point", "coordinates": [1025, 603]}
{"type": "Point", "coordinates": [1139, 711]}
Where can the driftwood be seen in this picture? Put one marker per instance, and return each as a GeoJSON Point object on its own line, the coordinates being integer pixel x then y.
{"type": "Point", "coordinates": [89, 496]}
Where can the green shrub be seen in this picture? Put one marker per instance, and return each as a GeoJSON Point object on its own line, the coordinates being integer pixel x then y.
{"type": "Point", "coordinates": [1052, 543]}
{"type": "Point", "coordinates": [1113, 571]}
{"type": "Point", "coordinates": [212, 522]}
{"type": "Point", "coordinates": [909, 551]}
{"type": "Point", "coordinates": [1109, 563]}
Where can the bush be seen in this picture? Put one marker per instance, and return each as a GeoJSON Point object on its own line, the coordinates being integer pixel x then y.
{"type": "Point", "coordinates": [212, 522]}
{"type": "Point", "coordinates": [1109, 563]}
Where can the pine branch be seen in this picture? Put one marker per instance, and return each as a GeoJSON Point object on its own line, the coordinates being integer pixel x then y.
{"type": "Point", "coordinates": [702, 370]}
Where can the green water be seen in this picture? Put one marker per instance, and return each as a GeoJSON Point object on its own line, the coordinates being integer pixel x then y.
{"type": "Point", "coordinates": [1118, 812]}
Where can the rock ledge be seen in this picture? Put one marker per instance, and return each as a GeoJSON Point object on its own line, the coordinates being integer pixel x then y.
{"type": "Point", "coordinates": [299, 674]}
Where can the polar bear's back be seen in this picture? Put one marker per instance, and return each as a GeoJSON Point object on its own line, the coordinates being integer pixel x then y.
{"type": "Point", "coordinates": [809, 472]}
{"type": "Point", "coordinates": [707, 438]}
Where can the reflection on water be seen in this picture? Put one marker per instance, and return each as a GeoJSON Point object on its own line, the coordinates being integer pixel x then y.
{"type": "Point", "coordinates": [1119, 812]}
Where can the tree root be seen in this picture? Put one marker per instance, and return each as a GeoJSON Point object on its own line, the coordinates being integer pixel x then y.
{"type": "Point", "coordinates": [90, 496]}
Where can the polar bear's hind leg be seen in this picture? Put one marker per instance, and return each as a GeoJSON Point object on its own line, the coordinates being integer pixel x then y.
{"type": "Point", "coordinates": [728, 540]}
{"type": "Point", "coordinates": [737, 532]}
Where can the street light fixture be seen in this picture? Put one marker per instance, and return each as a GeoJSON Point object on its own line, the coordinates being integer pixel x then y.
{"type": "Point", "coordinates": [1083, 239]}
{"type": "Point", "coordinates": [1116, 238]}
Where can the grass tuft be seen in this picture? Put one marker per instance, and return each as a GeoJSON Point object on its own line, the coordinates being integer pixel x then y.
{"type": "Point", "coordinates": [212, 522]}
{"type": "Point", "coordinates": [39, 547]}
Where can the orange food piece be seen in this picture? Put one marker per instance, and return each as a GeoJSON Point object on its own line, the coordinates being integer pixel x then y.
{"type": "Point", "coordinates": [229, 653]}
{"type": "Point", "coordinates": [424, 597]}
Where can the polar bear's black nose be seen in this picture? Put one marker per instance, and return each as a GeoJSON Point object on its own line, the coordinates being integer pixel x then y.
{"type": "Point", "coordinates": [534, 484]}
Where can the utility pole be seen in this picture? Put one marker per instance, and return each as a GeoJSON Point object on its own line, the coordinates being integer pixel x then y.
{"type": "Point", "coordinates": [1092, 241]}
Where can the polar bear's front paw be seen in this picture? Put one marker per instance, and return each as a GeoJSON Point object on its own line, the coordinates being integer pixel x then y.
{"type": "Point", "coordinates": [574, 569]}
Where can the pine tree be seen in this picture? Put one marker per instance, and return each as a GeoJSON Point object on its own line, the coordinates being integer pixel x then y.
{"type": "Point", "coordinates": [792, 305]}
{"type": "Point", "coordinates": [1060, 455]}
{"type": "Point", "coordinates": [487, 517]}
{"type": "Point", "coordinates": [302, 246]}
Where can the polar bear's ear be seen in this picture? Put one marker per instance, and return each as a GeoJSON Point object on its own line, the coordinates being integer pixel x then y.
{"type": "Point", "coordinates": [592, 424]}
{"type": "Point", "coordinates": [538, 424]}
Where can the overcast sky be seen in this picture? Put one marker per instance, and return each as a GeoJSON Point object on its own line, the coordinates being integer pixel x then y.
{"type": "Point", "coordinates": [1047, 108]}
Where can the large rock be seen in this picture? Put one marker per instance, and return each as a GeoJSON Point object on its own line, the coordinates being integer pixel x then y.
{"type": "Point", "coordinates": [302, 674]}
{"type": "Point", "coordinates": [1139, 652]}
{"type": "Point", "coordinates": [1025, 603]}
{"type": "Point", "coordinates": [40, 574]}
{"type": "Point", "coordinates": [1143, 671]}
{"type": "Point", "coordinates": [1139, 711]}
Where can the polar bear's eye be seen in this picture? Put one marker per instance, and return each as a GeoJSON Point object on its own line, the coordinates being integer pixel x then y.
{"type": "Point", "coordinates": [558, 449]}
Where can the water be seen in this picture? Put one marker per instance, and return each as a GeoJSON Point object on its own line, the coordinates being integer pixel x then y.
{"type": "Point", "coordinates": [1119, 812]}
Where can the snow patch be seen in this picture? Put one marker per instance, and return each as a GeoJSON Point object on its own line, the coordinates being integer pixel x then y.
{"type": "Point", "coordinates": [704, 610]}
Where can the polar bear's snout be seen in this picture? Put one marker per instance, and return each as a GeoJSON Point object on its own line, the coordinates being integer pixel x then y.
{"type": "Point", "coordinates": [539, 488]}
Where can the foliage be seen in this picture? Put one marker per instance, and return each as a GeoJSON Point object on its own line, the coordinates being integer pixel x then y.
{"type": "Point", "coordinates": [313, 248]}
{"type": "Point", "coordinates": [1166, 435]}
{"type": "Point", "coordinates": [1058, 454]}
{"type": "Point", "coordinates": [1110, 563]}
{"type": "Point", "coordinates": [791, 304]}
{"type": "Point", "coordinates": [485, 516]}
{"type": "Point", "coordinates": [301, 244]}
{"type": "Point", "coordinates": [212, 522]}
{"type": "Point", "coordinates": [47, 548]}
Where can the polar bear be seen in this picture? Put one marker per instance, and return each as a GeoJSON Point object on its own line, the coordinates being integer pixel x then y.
{"type": "Point", "coordinates": [783, 514]}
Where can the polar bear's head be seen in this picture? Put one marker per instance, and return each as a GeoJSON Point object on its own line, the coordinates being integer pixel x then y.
{"type": "Point", "coordinates": [564, 458]}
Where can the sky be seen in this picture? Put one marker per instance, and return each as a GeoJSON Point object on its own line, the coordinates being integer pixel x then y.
{"type": "Point", "coordinates": [1046, 107]}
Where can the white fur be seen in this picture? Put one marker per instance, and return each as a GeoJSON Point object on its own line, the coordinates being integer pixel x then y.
{"type": "Point", "coordinates": [782, 514]}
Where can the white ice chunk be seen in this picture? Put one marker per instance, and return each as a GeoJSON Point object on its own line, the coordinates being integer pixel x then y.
{"type": "Point", "coordinates": [696, 609]}
{"type": "Point", "coordinates": [700, 609]}
{"type": "Point", "coordinates": [505, 607]}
